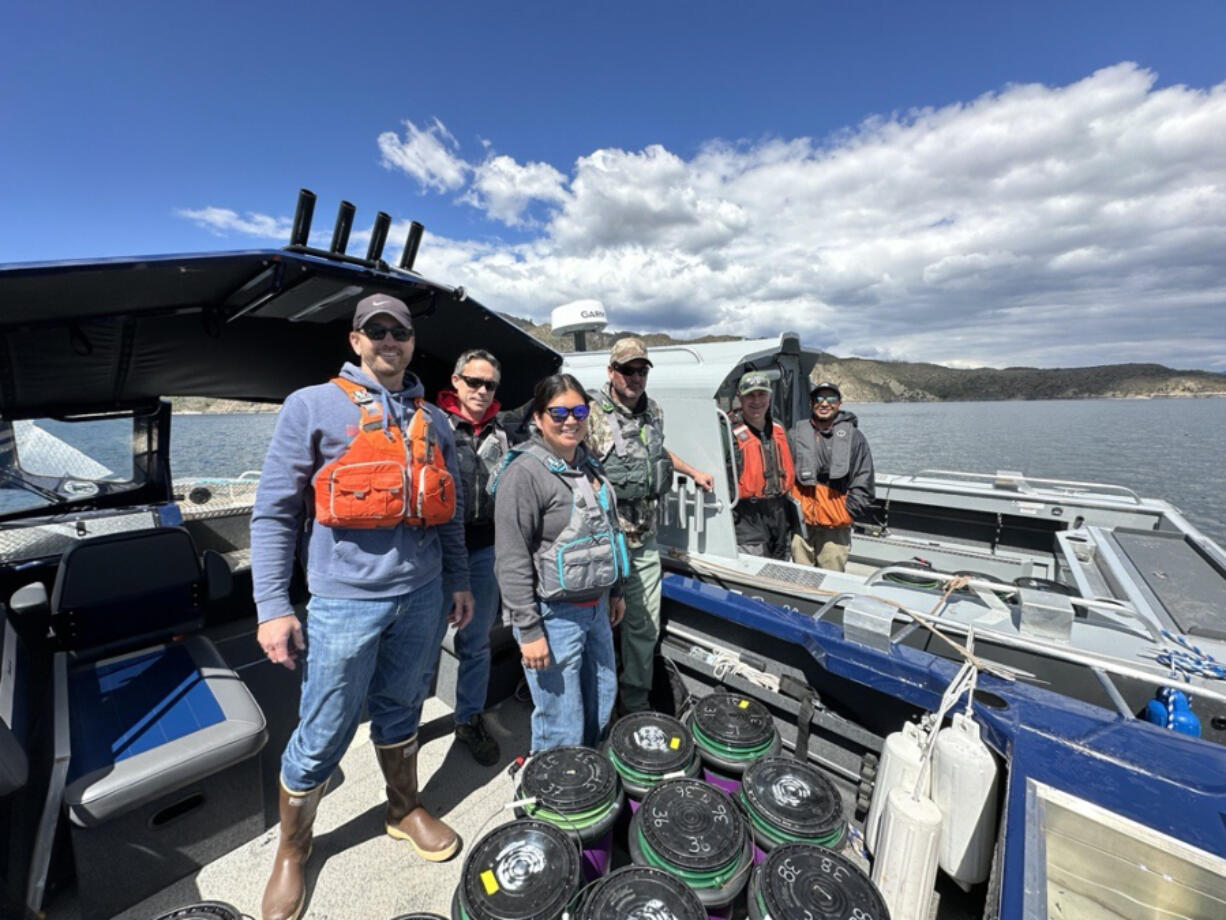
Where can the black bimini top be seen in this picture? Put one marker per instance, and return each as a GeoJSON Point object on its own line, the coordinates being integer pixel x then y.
{"type": "Point", "coordinates": [89, 336]}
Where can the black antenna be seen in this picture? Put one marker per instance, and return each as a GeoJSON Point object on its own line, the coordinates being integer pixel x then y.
{"type": "Point", "coordinates": [302, 218]}
{"type": "Point", "coordinates": [378, 236]}
{"type": "Point", "coordinates": [344, 223]}
{"type": "Point", "coordinates": [410, 246]}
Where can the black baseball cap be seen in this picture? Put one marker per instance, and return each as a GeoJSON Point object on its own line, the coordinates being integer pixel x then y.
{"type": "Point", "coordinates": [826, 385]}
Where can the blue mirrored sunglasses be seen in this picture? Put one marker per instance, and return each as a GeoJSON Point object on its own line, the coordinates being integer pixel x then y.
{"type": "Point", "coordinates": [559, 413]}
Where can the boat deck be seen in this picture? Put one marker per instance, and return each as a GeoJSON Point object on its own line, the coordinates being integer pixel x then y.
{"type": "Point", "coordinates": [356, 870]}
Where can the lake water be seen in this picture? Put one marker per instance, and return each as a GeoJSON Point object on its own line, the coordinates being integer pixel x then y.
{"type": "Point", "coordinates": [1173, 449]}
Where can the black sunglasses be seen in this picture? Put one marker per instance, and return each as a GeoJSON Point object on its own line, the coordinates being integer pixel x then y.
{"type": "Point", "coordinates": [626, 371]}
{"type": "Point", "coordinates": [559, 413]}
{"type": "Point", "coordinates": [476, 382]}
{"type": "Point", "coordinates": [831, 400]}
{"type": "Point", "coordinates": [378, 333]}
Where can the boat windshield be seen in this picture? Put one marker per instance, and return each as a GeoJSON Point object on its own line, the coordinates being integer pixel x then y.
{"type": "Point", "coordinates": [47, 462]}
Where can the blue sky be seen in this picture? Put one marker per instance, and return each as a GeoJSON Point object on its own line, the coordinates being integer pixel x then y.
{"type": "Point", "coordinates": [926, 181]}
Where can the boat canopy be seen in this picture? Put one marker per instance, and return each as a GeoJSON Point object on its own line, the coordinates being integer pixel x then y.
{"type": "Point", "coordinates": [86, 336]}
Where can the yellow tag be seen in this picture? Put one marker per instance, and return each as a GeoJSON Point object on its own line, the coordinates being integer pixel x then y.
{"type": "Point", "coordinates": [744, 704]}
{"type": "Point", "coordinates": [490, 883]}
{"type": "Point", "coordinates": [674, 742]}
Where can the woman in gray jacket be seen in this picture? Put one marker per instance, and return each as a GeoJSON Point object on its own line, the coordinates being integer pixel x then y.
{"type": "Point", "coordinates": [559, 558]}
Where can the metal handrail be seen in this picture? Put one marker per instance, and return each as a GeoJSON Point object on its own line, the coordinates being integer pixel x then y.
{"type": "Point", "coordinates": [1026, 484]}
{"type": "Point", "coordinates": [734, 487]}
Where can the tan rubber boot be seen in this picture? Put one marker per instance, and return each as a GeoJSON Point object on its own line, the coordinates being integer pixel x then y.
{"type": "Point", "coordinates": [406, 818]}
{"type": "Point", "coordinates": [286, 889]}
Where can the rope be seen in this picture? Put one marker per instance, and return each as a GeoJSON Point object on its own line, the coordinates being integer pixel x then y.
{"type": "Point", "coordinates": [1188, 661]}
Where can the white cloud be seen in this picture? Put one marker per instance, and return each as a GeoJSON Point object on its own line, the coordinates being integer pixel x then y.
{"type": "Point", "coordinates": [504, 189]}
{"type": "Point", "coordinates": [1081, 224]}
{"type": "Point", "coordinates": [223, 222]}
{"type": "Point", "coordinates": [427, 155]}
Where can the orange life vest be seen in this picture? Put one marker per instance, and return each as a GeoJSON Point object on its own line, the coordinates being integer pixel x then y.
{"type": "Point", "coordinates": [821, 505]}
{"type": "Point", "coordinates": [752, 482]}
{"type": "Point", "coordinates": [380, 480]}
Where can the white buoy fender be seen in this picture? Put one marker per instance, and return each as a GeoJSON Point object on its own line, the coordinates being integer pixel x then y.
{"type": "Point", "coordinates": [964, 781]}
{"type": "Point", "coordinates": [905, 868]}
{"type": "Point", "coordinates": [900, 766]}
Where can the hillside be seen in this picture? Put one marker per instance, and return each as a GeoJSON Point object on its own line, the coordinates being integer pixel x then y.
{"type": "Point", "coordinates": [863, 380]}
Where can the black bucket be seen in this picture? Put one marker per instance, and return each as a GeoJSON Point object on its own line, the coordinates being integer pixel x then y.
{"type": "Point", "coordinates": [639, 891]}
{"type": "Point", "coordinates": [646, 747]}
{"type": "Point", "coordinates": [788, 801]}
{"type": "Point", "coordinates": [525, 870]}
{"type": "Point", "coordinates": [801, 881]}
{"type": "Point", "coordinates": [577, 790]}
{"type": "Point", "coordinates": [731, 732]}
{"type": "Point", "coordinates": [694, 831]}
{"type": "Point", "coordinates": [203, 910]}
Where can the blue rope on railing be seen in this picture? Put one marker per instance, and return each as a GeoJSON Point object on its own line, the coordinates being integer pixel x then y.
{"type": "Point", "coordinates": [1188, 661]}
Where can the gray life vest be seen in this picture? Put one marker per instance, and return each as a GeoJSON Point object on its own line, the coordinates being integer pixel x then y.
{"type": "Point", "coordinates": [590, 553]}
{"type": "Point", "coordinates": [637, 464]}
{"type": "Point", "coordinates": [478, 459]}
{"type": "Point", "coordinates": [819, 458]}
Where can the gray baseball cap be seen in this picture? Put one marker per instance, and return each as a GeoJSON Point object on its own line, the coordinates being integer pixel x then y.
{"type": "Point", "coordinates": [386, 304]}
{"type": "Point", "coordinates": [826, 385]}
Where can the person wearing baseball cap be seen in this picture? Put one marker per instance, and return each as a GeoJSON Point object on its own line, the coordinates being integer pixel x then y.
{"type": "Point", "coordinates": [764, 472]}
{"type": "Point", "coordinates": [834, 479]}
{"type": "Point", "coordinates": [626, 434]}
{"type": "Point", "coordinates": [375, 572]}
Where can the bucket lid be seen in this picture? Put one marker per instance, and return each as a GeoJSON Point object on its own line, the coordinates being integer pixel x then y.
{"type": "Point", "coordinates": [691, 824]}
{"type": "Point", "coordinates": [203, 910]}
{"type": "Point", "coordinates": [418, 916]}
{"type": "Point", "coordinates": [793, 796]}
{"type": "Point", "coordinates": [640, 891]}
{"type": "Point", "coordinates": [734, 721]}
{"type": "Point", "coordinates": [569, 779]}
{"type": "Point", "coordinates": [525, 870]}
{"type": "Point", "coordinates": [651, 742]}
{"type": "Point", "coordinates": [804, 880]}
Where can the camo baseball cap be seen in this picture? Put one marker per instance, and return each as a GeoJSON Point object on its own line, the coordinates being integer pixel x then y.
{"type": "Point", "coordinates": [753, 382]}
{"type": "Point", "coordinates": [631, 348]}
{"type": "Point", "coordinates": [825, 385]}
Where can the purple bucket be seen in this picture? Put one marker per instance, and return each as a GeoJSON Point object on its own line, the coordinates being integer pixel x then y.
{"type": "Point", "coordinates": [596, 857]}
{"type": "Point", "coordinates": [718, 780]}
{"type": "Point", "coordinates": [759, 854]}
{"type": "Point", "coordinates": [634, 805]}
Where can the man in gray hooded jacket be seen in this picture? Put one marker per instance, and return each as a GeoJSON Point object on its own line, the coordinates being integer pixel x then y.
{"type": "Point", "coordinates": [834, 479]}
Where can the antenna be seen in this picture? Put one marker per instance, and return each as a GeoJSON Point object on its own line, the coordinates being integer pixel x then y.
{"type": "Point", "coordinates": [578, 317]}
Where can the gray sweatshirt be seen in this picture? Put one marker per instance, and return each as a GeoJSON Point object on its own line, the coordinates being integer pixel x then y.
{"type": "Point", "coordinates": [531, 506]}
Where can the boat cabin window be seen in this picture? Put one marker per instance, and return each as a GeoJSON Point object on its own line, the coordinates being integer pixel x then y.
{"type": "Point", "coordinates": [51, 461]}
{"type": "Point", "coordinates": [217, 452]}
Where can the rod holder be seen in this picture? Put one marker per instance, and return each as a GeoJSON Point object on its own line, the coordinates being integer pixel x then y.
{"type": "Point", "coordinates": [302, 218]}
{"type": "Point", "coordinates": [344, 223]}
{"type": "Point", "coordinates": [378, 236]}
{"type": "Point", "coordinates": [410, 246]}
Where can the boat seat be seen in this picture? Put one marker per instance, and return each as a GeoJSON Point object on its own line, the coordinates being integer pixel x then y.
{"type": "Point", "coordinates": [148, 721]}
{"type": "Point", "coordinates": [142, 710]}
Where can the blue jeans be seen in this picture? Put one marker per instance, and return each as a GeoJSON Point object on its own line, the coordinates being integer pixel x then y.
{"type": "Point", "coordinates": [574, 695]}
{"type": "Point", "coordinates": [360, 651]}
{"type": "Point", "coordinates": [472, 643]}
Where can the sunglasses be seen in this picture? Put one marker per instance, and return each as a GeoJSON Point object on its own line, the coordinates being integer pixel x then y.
{"type": "Point", "coordinates": [627, 371]}
{"type": "Point", "coordinates": [378, 333]}
{"type": "Point", "coordinates": [478, 382]}
{"type": "Point", "coordinates": [829, 400]}
{"type": "Point", "coordinates": [559, 413]}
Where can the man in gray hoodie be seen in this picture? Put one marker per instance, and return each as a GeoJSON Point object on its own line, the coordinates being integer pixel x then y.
{"type": "Point", "coordinates": [376, 595]}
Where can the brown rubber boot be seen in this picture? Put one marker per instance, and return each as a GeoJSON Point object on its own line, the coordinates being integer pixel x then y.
{"type": "Point", "coordinates": [286, 889]}
{"type": "Point", "coordinates": [406, 819]}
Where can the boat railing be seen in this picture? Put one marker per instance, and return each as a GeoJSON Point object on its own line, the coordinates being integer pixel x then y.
{"type": "Point", "coordinates": [725, 430]}
{"type": "Point", "coordinates": [1006, 480]}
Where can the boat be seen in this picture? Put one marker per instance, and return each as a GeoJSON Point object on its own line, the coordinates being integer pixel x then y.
{"type": "Point", "coordinates": [114, 573]}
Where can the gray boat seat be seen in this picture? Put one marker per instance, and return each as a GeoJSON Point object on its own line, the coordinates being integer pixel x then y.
{"type": "Point", "coordinates": [150, 722]}
{"type": "Point", "coordinates": [161, 714]}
